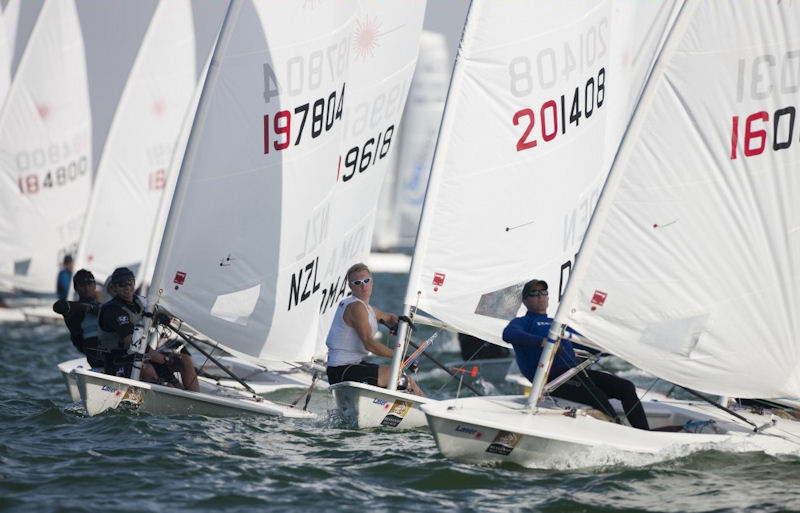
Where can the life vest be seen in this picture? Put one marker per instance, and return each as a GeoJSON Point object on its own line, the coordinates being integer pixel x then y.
{"type": "Point", "coordinates": [90, 325]}
{"type": "Point", "coordinates": [109, 340]}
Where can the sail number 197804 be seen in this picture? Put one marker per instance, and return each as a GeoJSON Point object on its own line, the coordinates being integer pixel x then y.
{"type": "Point", "coordinates": [553, 114]}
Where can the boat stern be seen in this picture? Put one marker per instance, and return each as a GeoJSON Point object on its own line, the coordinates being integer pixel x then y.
{"type": "Point", "coordinates": [367, 406]}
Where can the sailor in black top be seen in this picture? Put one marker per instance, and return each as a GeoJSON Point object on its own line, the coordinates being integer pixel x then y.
{"type": "Point", "coordinates": [81, 317]}
{"type": "Point", "coordinates": [118, 319]}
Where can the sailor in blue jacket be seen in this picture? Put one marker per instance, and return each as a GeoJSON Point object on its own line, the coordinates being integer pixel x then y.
{"type": "Point", "coordinates": [527, 334]}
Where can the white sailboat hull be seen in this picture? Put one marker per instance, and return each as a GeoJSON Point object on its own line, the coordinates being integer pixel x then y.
{"type": "Point", "coordinates": [499, 429]}
{"type": "Point", "coordinates": [260, 380]}
{"type": "Point", "coordinates": [102, 392]}
{"type": "Point", "coordinates": [69, 379]}
{"type": "Point", "coordinates": [367, 406]}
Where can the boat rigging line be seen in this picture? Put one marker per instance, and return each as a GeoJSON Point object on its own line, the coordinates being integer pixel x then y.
{"type": "Point", "coordinates": [227, 371]}
{"type": "Point", "coordinates": [756, 427]}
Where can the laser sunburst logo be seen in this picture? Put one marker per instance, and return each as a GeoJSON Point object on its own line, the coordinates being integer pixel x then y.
{"type": "Point", "coordinates": [367, 37]}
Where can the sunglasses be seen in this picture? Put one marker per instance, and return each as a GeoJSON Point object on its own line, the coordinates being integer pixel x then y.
{"type": "Point", "coordinates": [534, 293]}
{"type": "Point", "coordinates": [361, 282]}
{"type": "Point", "coordinates": [126, 283]}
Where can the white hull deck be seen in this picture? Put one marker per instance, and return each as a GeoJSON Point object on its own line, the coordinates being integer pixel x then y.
{"type": "Point", "coordinates": [262, 381]}
{"type": "Point", "coordinates": [366, 406]}
{"type": "Point", "coordinates": [280, 376]}
{"type": "Point", "coordinates": [499, 429]}
{"type": "Point", "coordinates": [102, 392]}
{"type": "Point", "coordinates": [69, 379]}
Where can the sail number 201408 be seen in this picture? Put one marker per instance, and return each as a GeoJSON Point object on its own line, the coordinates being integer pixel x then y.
{"type": "Point", "coordinates": [582, 102]}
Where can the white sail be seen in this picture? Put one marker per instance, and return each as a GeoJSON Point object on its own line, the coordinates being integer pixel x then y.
{"type": "Point", "coordinates": [690, 269]}
{"type": "Point", "coordinates": [383, 56]}
{"type": "Point", "coordinates": [262, 158]}
{"type": "Point", "coordinates": [132, 175]}
{"type": "Point", "coordinates": [404, 188]}
{"type": "Point", "coordinates": [160, 219]}
{"type": "Point", "coordinates": [537, 105]}
{"type": "Point", "coordinates": [45, 153]}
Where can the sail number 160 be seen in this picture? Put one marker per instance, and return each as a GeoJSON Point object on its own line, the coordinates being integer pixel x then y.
{"type": "Point", "coordinates": [756, 128]}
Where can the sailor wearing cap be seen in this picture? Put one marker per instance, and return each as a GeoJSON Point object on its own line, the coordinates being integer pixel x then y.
{"type": "Point", "coordinates": [117, 319]}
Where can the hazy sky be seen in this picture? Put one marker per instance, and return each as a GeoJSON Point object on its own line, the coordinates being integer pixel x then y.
{"type": "Point", "coordinates": [447, 17]}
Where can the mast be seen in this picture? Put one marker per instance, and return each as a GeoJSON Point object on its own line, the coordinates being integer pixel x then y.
{"type": "Point", "coordinates": [402, 334]}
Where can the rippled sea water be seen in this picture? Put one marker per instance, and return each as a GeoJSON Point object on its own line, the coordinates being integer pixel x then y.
{"type": "Point", "coordinates": [55, 458]}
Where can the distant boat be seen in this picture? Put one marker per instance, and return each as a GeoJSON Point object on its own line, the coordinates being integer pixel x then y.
{"type": "Point", "coordinates": [132, 175]}
{"type": "Point", "coordinates": [45, 154]}
{"type": "Point", "coordinates": [403, 191]}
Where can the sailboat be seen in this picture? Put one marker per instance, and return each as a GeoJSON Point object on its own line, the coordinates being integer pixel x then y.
{"type": "Point", "coordinates": [689, 268]}
{"type": "Point", "coordinates": [480, 230]}
{"type": "Point", "coordinates": [236, 262]}
{"type": "Point", "coordinates": [387, 36]}
{"type": "Point", "coordinates": [136, 161]}
{"type": "Point", "coordinates": [45, 155]}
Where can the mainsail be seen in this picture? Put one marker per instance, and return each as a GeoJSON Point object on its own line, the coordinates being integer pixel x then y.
{"type": "Point", "coordinates": [132, 175]}
{"type": "Point", "coordinates": [236, 261]}
{"type": "Point", "coordinates": [173, 170]}
{"type": "Point", "coordinates": [45, 153]}
{"type": "Point", "coordinates": [691, 267]}
{"type": "Point", "coordinates": [539, 99]}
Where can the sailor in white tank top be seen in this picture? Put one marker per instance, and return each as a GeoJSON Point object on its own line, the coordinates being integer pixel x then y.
{"type": "Point", "coordinates": [344, 345]}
